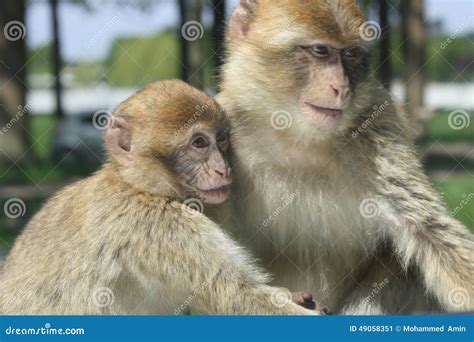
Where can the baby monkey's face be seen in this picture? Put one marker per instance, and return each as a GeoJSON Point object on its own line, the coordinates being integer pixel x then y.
{"type": "Point", "coordinates": [173, 136]}
{"type": "Point", "coordinates": [203, 162]}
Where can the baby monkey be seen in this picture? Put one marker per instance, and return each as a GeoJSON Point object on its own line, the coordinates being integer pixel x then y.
{"type": "Point", "coordinates": [123, 241]}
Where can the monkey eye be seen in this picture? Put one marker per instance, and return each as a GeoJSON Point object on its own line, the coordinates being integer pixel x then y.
{"type": "Point", "coordinates": [350, 54]}
{"type": "Point", "coordinates": [222, 135]}
{"type": "Point", "coordinates": [319, 50]}
{"type": "Point", "coordinates": [200, 142]}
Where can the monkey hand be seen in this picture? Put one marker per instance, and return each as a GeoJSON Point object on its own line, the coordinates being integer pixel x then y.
{"type": "Point", "coordinates": [305, 299]}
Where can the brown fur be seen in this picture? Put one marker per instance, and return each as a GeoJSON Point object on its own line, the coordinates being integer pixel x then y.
{"type": "Point", "coordinates": [122, 242]}
{"type": "Point", "coordinates": [320, 240]}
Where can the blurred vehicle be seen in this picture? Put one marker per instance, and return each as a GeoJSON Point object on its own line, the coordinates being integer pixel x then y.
{"type": "Point", "coordinates": [78, 141]}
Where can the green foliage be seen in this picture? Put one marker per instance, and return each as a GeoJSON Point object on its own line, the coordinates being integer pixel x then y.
{"type": "Point", "coordinates": [42, 130]}
{"type": "Point", "coordinates": [447, 59]}
{"type": "Point", "coordinates": [450, 59]}
{"type": "Point", "coordinates": [40, 60]}
{"type": "Point", "coordinates": [136, 61]}
{"type": "Point", "coordinates": [86, 73]}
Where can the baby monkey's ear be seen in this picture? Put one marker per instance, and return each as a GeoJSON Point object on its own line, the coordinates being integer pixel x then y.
{"type": "Point", "coordinates": [118, 139]}
{"type": "Point", "coordinates": [240, 20]}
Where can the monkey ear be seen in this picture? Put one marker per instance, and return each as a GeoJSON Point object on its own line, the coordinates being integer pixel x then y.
{"type": "Point", "coordinates": [118, 139]}
{"type": "Point", "coordinates": [240, 20]}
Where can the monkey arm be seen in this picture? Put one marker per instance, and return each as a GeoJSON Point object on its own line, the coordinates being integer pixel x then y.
{"type": "Point", "coordinates": [422, 231]}
{"type": "Point", "coordinates": [218, 276]}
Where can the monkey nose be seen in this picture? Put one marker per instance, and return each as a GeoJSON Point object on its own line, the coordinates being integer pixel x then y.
{"type": "Point", "coordinates": [222, 173]}
{"type": "Point", "coordinates": [341, 91]}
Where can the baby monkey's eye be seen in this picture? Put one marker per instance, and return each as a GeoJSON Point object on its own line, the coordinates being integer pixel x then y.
{"type": "Point", "coordinates": [319, 50]}
{"type": "Point", "coordinates": [200, 142]}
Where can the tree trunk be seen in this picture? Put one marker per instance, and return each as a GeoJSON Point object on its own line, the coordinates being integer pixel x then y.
{"type": "Point", "coordinates": [57, 61]}
{"type": "Point", "coordinates": [218, 35]}
{"type": "Point", "coordinates": [183, 43]}
{"type": "Point", "coordinates": [385, 69]}
{"type": "Point", "coordinates": [191, 32]}
{"type": "Point", "coordinates": [14, 137]}
{"type": "Point", "coordinates": [415, 59]}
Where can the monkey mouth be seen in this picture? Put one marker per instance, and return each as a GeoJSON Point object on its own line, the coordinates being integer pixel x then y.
{"type": "Point", "coordinates": [325, 118]}
{"type": "Point", "coordinates": [214, 195]}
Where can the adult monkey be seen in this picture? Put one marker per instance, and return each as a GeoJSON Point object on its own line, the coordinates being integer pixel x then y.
{"type": "Point", "coordinates": [329, 191]}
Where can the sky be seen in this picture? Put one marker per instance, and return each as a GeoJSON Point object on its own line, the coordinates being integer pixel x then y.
{"type": "Point", "coordinates": [88, 35]}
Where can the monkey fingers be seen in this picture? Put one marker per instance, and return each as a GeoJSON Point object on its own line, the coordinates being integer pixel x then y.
{"type": "Point", "coordinates": [305, 299]}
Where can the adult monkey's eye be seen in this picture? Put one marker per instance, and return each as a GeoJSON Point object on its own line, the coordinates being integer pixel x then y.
{"type": "Point", "coordinates": [222, 135]}
{"type": "Point", "coordinates": [200, 142]}
{"type": "Point", "coordinates": [319, 50]}
{"type": "Point", "coordinates": [350, 54]}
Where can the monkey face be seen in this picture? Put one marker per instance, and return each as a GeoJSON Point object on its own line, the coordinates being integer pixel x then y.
{"type": "Point", "coordinates": [203, 166]}
{"type": "Point", "coordinates": [309, 58]}
{"type": "Point", "coordinates": [172, 140]}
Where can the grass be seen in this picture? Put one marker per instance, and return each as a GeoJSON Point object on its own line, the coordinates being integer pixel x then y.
{"type": "Point", "coordinates": [458, 193]}
{"type": "Point", "coordinates": [438, 129]}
